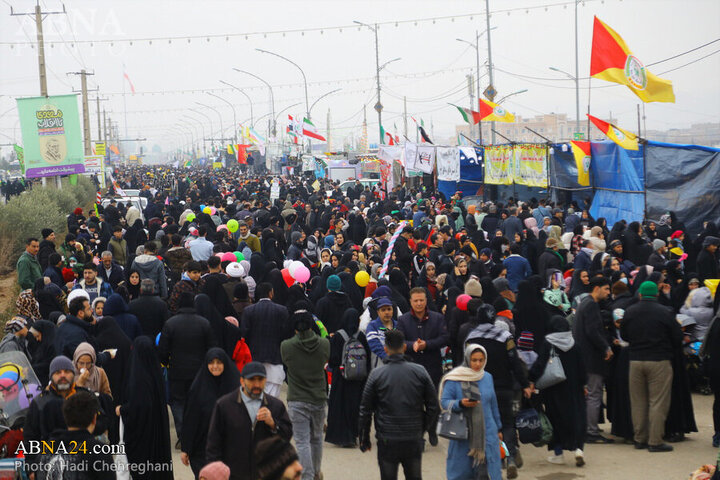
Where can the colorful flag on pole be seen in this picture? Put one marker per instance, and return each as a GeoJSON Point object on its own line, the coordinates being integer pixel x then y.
{"type": "Point", "coordinates": [20, 153]}
{"type": "Point", "coordinates": [583, 156]}
{"type": "Point", "coordinates": [492, 112]}
{"type": "Point", "coordinates": [612, 60]}
{"type": "Point", "coordinates": [241, 150]}
{"type": "Point", "coordinates": [625, 139]}
{"type": "Point", "coordinates": [125, 75]}
{"type": "Point", "coordinates": [424, 136]}
{"type": "Point", "coordinates": [230, 149]}
{"type": "Point", "coordinates": [468, 115]}
{"type": "Point", "coordinates": [310, 130]}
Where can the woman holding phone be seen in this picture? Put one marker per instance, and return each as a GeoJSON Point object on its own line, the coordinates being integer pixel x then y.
{"type": "Point", "coordinates": [469, 389]}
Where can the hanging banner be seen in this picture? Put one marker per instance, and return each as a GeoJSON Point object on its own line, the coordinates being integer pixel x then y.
{"type": "Point", "coordinates": [410, 157]}
{"type": "Point", "coordinates": [499, 164]}
{"type": "Point", "coordinates": [100, 149]}
{"type": "Point", "coordinates": [52, 137]}
{"type": "Point", "coordinates": [308, 163]}
{"type": "Point", "coordinates": [425, 161]}
{"type": "Point", "coordinates": [531, 165]}
{"type": "Point", "coordinates": [94, 164]}
{"type": "Point", "coordinates": [448, 164]}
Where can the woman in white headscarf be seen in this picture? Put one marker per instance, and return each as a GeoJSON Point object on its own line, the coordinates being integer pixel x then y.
{"type": "Point", "coordinates": [478, 457]}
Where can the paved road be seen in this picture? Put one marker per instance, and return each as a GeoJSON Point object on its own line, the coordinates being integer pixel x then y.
{"type": "Point", "coordinates": [618, 461]}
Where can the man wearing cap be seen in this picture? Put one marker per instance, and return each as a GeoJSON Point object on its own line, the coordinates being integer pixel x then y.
{"type": "Point", "coordinates": [47, 247]}
{"type": "Point", "coordinates": [28, 267]}
{"type": "Point", "coordinates": [653, 335]}
{"type": "Point", "coordinates": [375, 332]}
{"type": "Point", "coordinates": [549, 259]}
{"type": "Point", "coordinates": [243, 418]}
{"type": "Point", "coordinates": [305, 356]}
{"type": "Point", "coordinates": [657, 259]}
{"type": "Point", "coordinates": [45, 413]}
{"type": "Point", "coordinates": [707, 262]}
{"type": "Point", "coordinates": [16, 331]}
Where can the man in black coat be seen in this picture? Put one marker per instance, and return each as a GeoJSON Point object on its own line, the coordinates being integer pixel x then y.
{"type": "Point", "coordinates": [653, 335]}
{"type": "Point", "coordinates": [186, 338]}
{"type": "Point", "coordinates": [706, 263]}
{"type": "Point", "coordinates": [425, 334]}
{"type": "Point", "coordinates": [76, 327]}
{"type": "Point", "coordinates": [403, 254]}
{"type": "Point", "coordinates": [110, 271]}
{"type": "Point", "coordinates": [264, 325]}
{"type": "Point", "coordinates": [47, 247]}
{"type": "Point", "coordinates": [404, 402]}
{"type": "Point", "coordinates": [549, 259]}
{"type": "Point", "coordinates": [243, 418]}
{"type": "Point", "coordinates": [151, 311]}
{"type": "Point", "coordinates": [591, 340]}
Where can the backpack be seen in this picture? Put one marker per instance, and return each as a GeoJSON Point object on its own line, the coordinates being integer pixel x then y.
{"type": "Point", "coordinates": [354, 365]}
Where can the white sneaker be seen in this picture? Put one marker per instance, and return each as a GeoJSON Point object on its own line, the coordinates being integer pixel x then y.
{"type": "Point", "coordinates": [556, 459]}
{"type": "Point", "coordinates": [579, 458]}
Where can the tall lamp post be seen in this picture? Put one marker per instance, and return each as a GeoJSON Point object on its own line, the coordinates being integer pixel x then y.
{"type": "Point", "coordinates": [323, 96]}
{"type": "Point", "coordinates": [207, 117]}
{"type": "Point", "coordinates": [378, 105]}
{"type": "Point", "coordinates": [222, 131]}
{"type": "Point", "coordinates": [476, 46]}
{"type": "Point", "coordinates": [271, 128]}
{"type": "Point", "coordinates": [511, 95]}
{"type": "Point", "coordinates": [252, 123]}
{"type": "Point", "coordinates": [577, 96]}
{"type": "Point", "coordinates": [234, 114]}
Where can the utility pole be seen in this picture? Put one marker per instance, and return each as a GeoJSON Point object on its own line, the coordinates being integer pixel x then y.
{"type": "Point", "coordinates": [327, 122]}
{"type": "Point", "coordinates": [86, 112]}
{"type": "Point", "coordinates": [490, 63]}
{"type": "Point", "coordinates": [577, 77]}
{"type": "Point", "coordinates": [38, 14]}
{"type": "Point", "coordinates": [99, 118]}
{"type": "Point", "coordinates": [405, 115]}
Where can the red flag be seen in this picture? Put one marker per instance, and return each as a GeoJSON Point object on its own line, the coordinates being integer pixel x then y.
{"type": "Point", "coordinates": [241, 153]}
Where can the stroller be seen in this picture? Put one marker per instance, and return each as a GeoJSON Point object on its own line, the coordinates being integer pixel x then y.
{"type": "Point", "coordinates": [699, 381]}
{"type": "Point", "coordinates": [18, 386]}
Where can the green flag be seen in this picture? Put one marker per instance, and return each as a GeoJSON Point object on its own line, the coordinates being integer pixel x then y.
{"type": "Point", "coordinates": [20, 152]}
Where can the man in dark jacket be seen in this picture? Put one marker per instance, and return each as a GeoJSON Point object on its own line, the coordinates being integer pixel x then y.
{"type": "Point", "coordinates": [707, 264]}
{"type": "Point", "coordinates": [653, 335]}
{"type": "Point", "coordinates": [506, 368]}
{"type": "Point", "coordinates": [76, 327]}
{"type": "Point", "coordinates": [305, 356]}
{"type": "Point", "coordinates": [189, 284]}
{"type": "Point", "coordinates": [403, 254]}
{"type": "Point", "coordinates": [243, 418]}
{"type": "Point", "coordinates": [549, 259]}
{"type": "Point", "coordinates": [109, 271]}
{"type": "Point", "coordinates": [149, 266]}
{"type": "Point", "coordinates": [47, 247]}
{"type": "Point", "coordinates": [425, 334]}
{"type": "Point", "coordinates": [512, 225]}
{"type": "Point", "coordinates": [264, 325]}
{"type": "Point", "coordinates": [150, 310]}
{"type": "Point", "coordinates": [403, 399]}
{"type": "Point", "coordinates": [185, 339]}
{"type": "Point", "coordinates": [54, 271]}
{"type": "Point", "coordinates": [591, 341]}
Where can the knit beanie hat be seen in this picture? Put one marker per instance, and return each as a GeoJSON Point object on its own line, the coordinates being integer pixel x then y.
{"type": "Point", "coordinates": [658, 244]}
{"type": "Point", "coordinates": [526, 341]}
{"type": "Point", "coordinates": [473, 288]}
{"type": "Point", "coordinates": [46, 232]}
{"type": "Point", "coordinates": [61, 362]}
{"type": "Point", "coordinates": [648, 289]}
{"type": "Point", "coordinates": [333, 283]}
{"type": "Point", "coordinates": [215, 471]}
{"type": "Point", "coordinates": [273, 456]}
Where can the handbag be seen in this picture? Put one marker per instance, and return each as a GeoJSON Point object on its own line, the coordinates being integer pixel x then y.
{"type": "Point", "coordinates": [528, 425]}
{"type": "Point", "coordinates": [547, 430]}
{"type": "Point", "coordinates": [554, 372]}
{"type": "Point", "coordinates": [453, 425]}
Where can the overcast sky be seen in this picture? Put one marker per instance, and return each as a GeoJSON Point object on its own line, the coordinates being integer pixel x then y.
{"type": "Point", "coordinates": [431, 73]}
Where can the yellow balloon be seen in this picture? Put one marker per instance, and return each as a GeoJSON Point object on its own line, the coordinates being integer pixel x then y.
{"type": "Point", "coordinates": [207, 210]}
{"type": "Point", "coordinates": [362, 278]}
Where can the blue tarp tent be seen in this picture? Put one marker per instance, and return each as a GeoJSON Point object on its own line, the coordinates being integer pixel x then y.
{"type": "Point", "coordinates": [619, 181]}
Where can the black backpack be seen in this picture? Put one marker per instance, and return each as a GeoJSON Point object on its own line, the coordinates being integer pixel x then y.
{"type": "Point", "coordinates": [354, 364]}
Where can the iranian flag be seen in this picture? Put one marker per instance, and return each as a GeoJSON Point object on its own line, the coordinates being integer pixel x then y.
{"type": "Point", "coordinates": [470, 116]}
{"type": "Point", "coordinates": [310, 130]}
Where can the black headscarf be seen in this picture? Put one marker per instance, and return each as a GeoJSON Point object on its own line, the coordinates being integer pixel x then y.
{"type": "Point", "coordinates": [351, 289]}
{"type": "Point", "coordinates": [280, 288]}
{"type": "Point", "coordinates": [529, 313]}
{"type": "Point", "coordinates": [226, 334]}
{"type": "Point", "coordinates": [147, 428]}
{"type": "Point", "coordinates": [110, 335]}
{"type": "Point", "coordinates": [558, 323]}
{"type": "Point", "coordinates": [204, 392]}
{"type": "Point", "coordinates": [43, 351]}
{"type": "Point", "coordinates": [133, 290]}
{"type": "Point", "coordinates": [351, 321]}
{"type": "Point", "coordinates": [257, 267]}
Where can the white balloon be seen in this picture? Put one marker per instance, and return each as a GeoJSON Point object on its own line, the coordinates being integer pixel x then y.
{"type": "Point", "coordinates": [293, 266]}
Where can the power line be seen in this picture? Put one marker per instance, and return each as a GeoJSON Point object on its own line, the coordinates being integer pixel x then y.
{"type": "Point", "coordinates": [689, 63]}
{"type": "Point", "coordinates": [684, 53]}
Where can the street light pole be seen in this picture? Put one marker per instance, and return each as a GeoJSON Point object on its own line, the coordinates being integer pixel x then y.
{"type": "Point", "coordinates": [219, 116]}
{"type": "Point", "coordinates": [252, 123]}
{"type": "Point", "coordinates": [234, 114]}
{"type": "Point", "coordinates": [577, 76]}
{"type": "Point", "coordinates": [378, 105]}
{"type": "Point", "coordinates": [490, 64]}
{"type": "Point", "coordinates": [476, 46]}
{"type": "Point", "coordinates": [271, 128]}
{"type": "Point", "coordinates": [323, 96]}
{"type": "Point", "coordinates": [577, 96]}
{"type": "Point", "coordinates": [510, 95]}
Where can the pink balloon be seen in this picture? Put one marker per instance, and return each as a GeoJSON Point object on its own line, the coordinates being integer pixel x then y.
{"type": "Point", "coordinates": [219, 254]}
{"type": "Point", "coordinates": [221, 227]}
{"type": "Point", "coordinates": [302, 274]}
{"type": "Point", "coordinates": [228, 257]}
{"type": "Point", "coordinates": [213, 210]}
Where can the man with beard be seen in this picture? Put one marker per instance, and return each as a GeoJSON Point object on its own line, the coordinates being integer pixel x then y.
{"type": "Point", "coordinates": [45, 412]}
{"type": "Point", "coordinates": [243, 418]}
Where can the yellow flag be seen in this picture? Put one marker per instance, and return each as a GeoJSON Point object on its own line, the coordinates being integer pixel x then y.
{"type": "Point", "coordinates": [316, 185]}
{"type": "Point", "coordinates": [625, 139]}
{"type": "Point", "coordinates": [581, 152]}
{"type": "Point", "coordinates": [492, 112]}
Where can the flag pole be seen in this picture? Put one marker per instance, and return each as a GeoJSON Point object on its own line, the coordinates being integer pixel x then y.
{"type": "Point", "coordinates": [588, 108]}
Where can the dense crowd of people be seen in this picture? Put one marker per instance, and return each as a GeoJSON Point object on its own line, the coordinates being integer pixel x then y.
{"type": "Point", "coordinates": [401, 306]}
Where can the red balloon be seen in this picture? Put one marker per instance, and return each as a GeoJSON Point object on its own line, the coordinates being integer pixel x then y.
{"type": "Point", "coordinates": [289, 280]}
{"type": "Point", "coordinates": [462, 301]}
